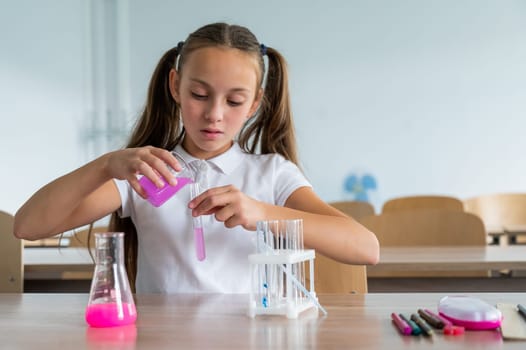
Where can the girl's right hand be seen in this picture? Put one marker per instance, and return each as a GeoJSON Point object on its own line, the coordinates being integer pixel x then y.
{"type": "Point", "coordinates": [149, 161]}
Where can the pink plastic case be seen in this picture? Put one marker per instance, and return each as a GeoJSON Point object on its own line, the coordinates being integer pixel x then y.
{"type": "Point", "coordinates": [469, 312]}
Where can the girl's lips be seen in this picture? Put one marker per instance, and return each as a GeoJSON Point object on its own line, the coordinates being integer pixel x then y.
{"type": "Point", "coordinates": [211, 134]}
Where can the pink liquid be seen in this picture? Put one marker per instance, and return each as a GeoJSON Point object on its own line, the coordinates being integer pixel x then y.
{"type": "Point", "coordinates": [108, 315]}
{"type": "Point", "coordinates": [199, 243]}
{"type": "Point", "coordinates": [157, 196]}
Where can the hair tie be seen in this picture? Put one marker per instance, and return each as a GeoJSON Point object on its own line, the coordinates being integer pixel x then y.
{"type": "Point", "coordinates": [263, 49]}
{"type": "Point", "coordinates": [180, 47]}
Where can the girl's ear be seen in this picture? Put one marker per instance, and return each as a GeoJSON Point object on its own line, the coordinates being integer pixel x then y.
{"type": "Point", "coordinates": [174, 85]}
{"type": "Point", "coordinates": [256, 103]}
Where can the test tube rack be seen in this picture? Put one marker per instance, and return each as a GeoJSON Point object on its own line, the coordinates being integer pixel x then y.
{"type": "Point", "coordinates": [277, 279]}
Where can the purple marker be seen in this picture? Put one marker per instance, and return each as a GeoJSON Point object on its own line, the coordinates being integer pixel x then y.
{"type": "Point", "coordinates": [402, 326]}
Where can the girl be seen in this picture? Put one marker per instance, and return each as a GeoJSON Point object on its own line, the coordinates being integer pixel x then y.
{"type": "Point", "coordinates": [211, 101]}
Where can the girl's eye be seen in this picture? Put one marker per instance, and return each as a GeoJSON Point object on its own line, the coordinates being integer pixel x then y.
{"type": "Point", "coordinates": [234, 103]}
{"type": "Point", "coordinates": [198, 96]}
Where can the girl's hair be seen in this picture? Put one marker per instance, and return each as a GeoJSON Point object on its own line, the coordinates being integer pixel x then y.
{"type": "Point", "coordinates": [270, 130]}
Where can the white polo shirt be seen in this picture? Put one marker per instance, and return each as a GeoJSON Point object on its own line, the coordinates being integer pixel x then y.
{"type": "Point", "coordinates": [167, 261]}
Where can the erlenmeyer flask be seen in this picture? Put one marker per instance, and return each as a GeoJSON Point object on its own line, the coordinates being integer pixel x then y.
{"type": "Point", "coordinates": [110, 302]}
{"type": "Point", "coordinates": [157, 196]}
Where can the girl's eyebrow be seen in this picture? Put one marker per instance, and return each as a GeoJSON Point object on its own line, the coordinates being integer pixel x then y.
{"type": "Point", "coordinates": [199, 81]}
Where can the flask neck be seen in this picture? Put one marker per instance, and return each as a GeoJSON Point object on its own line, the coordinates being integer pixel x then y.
{"type": "Point", "coordinates": [109, 248]}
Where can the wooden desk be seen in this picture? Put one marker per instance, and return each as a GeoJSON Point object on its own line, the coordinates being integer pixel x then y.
{"type": "Point", "coordinates": [516, 233]}
{"type": "Point", "coordinates": [208, 321]}
{"type": "Point", "coordinates": [506, 235]}
{"type": "Point", "coordinates": [56, 263]}
{"type": "Point", "coordinates": [53, 261]}
{"type": "Point", "coordinates": [451, 258]}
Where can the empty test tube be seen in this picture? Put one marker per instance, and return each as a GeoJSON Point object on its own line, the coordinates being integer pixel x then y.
{"type": "Point", "coordinates": [198, 226]}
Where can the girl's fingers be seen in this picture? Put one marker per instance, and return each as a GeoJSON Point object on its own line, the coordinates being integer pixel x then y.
{"type": "Point", "coordinates": [169, 159]}
{"type": "Point", "coordinates": [225, 214]}
{"type": "Point", "coordinates": [163, 161]}
{"type": "Point", "coordinates": [157, 161]}
{"type": "Point", "coordinates": [208, 201]}
{"type": "Point", "coordinates": [151, 174]}
{"type": "Point", "coordinates": [134, 183]}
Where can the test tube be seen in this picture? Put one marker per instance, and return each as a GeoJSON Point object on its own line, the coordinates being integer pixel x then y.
{"type": "Point", "coordinates": [198, 226]}
{"type": "Point", "coordinates": [264, 243]}
{"type": "Point", "coordinates": [294, 229]}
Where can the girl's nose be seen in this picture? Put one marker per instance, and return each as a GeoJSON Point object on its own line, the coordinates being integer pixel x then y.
{"type": "Point", "coordinates": [214, 112]}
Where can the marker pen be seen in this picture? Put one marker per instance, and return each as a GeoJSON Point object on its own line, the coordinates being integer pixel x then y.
{"type": "Point", "coordinates": [422, 324]}
{"type": "Point", "coordinates": [402, 326]}
{"type": "Point", "coordinates": [444, 320]}
{"type": "Point", "coordinates": [522, 310]}
{"type": "Point", "coordinates": [431, 319]}
{"type": "Point", "coordinates": [415, 330]}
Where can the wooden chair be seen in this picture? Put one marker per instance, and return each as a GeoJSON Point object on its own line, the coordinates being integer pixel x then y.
{"type": "Point", "coordinates": [331, 276]}
{"type": "Point", "coordinates": [355, 209]}
{"type": "Point", "coordinates": [423, 202]}
{"type": "Point", "coordinates": [499, 210]}
{"type": "Point", "coordinates": [11, 266]}
{"type": "Point", "coordinates": [427, 227]}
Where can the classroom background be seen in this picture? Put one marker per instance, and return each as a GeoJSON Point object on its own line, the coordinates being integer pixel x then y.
{"type": "Point", "coordinates": [390, 97]}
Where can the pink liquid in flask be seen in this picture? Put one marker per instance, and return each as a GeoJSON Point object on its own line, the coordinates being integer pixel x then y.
{"type": "Point", "coordinates": [110, 315]}
{"type": "Point", "coordinates": [157, 196]}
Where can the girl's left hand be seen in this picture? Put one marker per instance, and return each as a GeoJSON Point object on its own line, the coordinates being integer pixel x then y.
{"type": "Point", "coordinates": [229, 205]}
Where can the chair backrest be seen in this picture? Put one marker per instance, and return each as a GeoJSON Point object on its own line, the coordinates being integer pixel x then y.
{"type": "Point", "coordinates": [499, 209]}
{"type": "Point", "coordinates": [11, 266]}
{"type": "Point", "coordinates": [430, 227]}
{"type": "Point", "coordinates": [423, 202]}
{"type": "Point", "coordinates": [355, 209]}
{"type": "Point", "coordinates": [331, 276]}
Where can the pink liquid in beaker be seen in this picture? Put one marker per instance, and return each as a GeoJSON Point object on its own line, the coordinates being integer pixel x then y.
{"type": "Point", "coordinates": [108, 315]}
{"type": "Point", "coordinates": [157, 196]}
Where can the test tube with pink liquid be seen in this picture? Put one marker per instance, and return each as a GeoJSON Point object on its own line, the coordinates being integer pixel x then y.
{"type": "Point", "coordinates": [158, 196]}
{"type": "Point", "coordinates": [199, 238]}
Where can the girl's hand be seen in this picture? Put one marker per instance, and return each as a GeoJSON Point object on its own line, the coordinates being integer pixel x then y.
{"type": "Point", "coordinates": [149, 161]}
{"type": "Point", "coordinates": [229, 205]}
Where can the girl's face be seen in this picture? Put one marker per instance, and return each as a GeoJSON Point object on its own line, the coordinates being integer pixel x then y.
{"type": "Point", "coordinates": [217, 90]}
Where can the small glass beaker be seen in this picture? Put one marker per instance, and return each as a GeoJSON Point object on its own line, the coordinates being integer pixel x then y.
{"type": "Point", "coordinates": [110, 301]}
{"type": "Point", "coordinates": [157, 196]}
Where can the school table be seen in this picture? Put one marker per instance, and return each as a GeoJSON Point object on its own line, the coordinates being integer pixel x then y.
{"type": "Point", "coordinates": [457, 258]}
{"type": "Point", "coordinates": [219, 321]}
{"type": "Point", "coordinates": [496, 259]}
{"type": "Point", "coordinates": [57, 262]}
{"type": "Point", "coordinates": [70, 269]}
{"type": "Point", "coordinates": [508, 234]}
{"type": "Point", "coordinates": [39, 262]}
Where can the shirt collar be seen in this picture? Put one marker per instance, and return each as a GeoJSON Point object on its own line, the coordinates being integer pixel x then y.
{"type": "Point", "coordinates": [226, 162]}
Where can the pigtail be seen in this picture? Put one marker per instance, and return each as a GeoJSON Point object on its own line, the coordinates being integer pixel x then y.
{"type": "Point", "coordinates": [272, 131]}
{"type": "Point", "coordinates": [159, 124]}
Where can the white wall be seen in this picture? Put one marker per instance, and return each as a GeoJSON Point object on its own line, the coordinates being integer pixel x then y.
{"type": "Point", "coordinates": [428, 96]}
{"type": "Point", "coordinates": [41, 94]}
